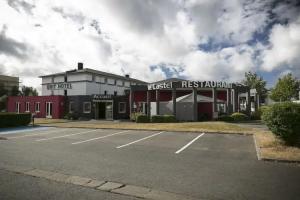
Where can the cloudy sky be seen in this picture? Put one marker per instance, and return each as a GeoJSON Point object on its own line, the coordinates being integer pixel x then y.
{"type": "Point", "coordinates": [151, 39]}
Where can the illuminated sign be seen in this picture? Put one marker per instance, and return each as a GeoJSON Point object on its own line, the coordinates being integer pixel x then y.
{"type": "Point", "coordinates": [165, 85]}
{"type": "Point", "coordinates": [59, 86]}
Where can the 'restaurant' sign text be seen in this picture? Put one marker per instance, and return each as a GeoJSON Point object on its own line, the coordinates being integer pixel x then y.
{"type": "Point", "coordinates": [189, 84]}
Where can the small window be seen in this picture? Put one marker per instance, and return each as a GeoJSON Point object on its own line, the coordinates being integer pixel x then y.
{"type": "Point", "coordinates": [27, 107]}
{"type": "Point", "coordinates": [105, 92]}
{"type": "Point", "coordinates": [71, 107]}
{"type": "Point", "coordinates": [115, 93]}
{"type": "Point", "coordinates": [86, 107]}
{"type": "Point", "coordinates": [17, 107]}
{"type": "Point", "coordinates": [37, 107]}
{"type": "Point", "coordinates": [122, 107]}
{"type": "Point", "coordinates": [65, 92]}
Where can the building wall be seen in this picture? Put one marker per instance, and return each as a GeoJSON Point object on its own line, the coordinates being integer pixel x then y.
{"type": "Point", "coordinates": [58, 104]}
{"type": "Point", "coordinates": [9, 82]}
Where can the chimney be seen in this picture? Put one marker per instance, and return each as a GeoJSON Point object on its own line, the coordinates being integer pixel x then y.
{"type": "Point", "coordinates": [80, 66]}
{"type": "Point", "coordinates": [127, 75]}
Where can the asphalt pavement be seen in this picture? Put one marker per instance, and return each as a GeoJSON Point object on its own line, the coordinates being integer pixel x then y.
{"type": "Point", "coordinates": [198, 165]}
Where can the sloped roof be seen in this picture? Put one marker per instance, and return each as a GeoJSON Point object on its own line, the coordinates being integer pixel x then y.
{"type": "Point", "coordinates": [200, 98]}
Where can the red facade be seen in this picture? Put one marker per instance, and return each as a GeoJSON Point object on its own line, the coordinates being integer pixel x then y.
{"type": "Point", "coordinates": [58, 105]}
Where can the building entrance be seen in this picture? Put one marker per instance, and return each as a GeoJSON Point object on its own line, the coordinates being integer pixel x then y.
{"type": "Point", "coordinates": [104, 110]}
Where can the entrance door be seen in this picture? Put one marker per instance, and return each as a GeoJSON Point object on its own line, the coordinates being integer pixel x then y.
{"type": "Point", "coordinates": [101, 110]}
{"type": "Point", "coordinates": [48, 109]}
{"type": "Point", "coordinates": [109, 110]}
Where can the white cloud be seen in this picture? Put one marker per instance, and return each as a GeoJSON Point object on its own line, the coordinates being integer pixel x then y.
{"type": "Point", "coordinates": [129, 36]}
{"type": "Point", "coordinates": [284, 48]}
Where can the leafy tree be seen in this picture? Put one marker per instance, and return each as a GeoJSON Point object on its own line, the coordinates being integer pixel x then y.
{"type": "Point", "coordinates": [3, 91]}
{"type": "Point", "coordinates": [285, 89]}
{"type": "Point", "coordinates": [28, 91]}
{"type": "Point", "coordinates": [255, 82]}
{"type": "Point", "coordinates": [15, 91]}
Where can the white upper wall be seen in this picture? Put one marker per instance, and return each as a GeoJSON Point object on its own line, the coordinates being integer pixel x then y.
{"type": "Point", "coordinates": [86, 84]}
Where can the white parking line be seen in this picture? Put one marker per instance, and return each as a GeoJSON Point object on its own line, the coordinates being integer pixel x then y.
{"type": "Point", "coordinates": [99, 137]}
{"type": "Point", "coordinates": [63, 136]}
{"type": "Point", "coordinates": [188, 144]}
{"type": "Point", "coordinates": [150, 136]}
{"type": "Point", "coordinates": [45, 133]}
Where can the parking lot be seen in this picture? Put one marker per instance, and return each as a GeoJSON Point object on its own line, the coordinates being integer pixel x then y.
{"type": "Point", "coordinates": [200, 165]}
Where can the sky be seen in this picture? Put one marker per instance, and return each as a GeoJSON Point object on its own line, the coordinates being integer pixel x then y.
{"type": "Point", "coordinates": [151, 39]}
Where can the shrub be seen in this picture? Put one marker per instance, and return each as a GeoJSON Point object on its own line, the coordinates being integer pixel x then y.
{"type": "Point", "coordinates": [14, 119]}
{"type": "Point", "coordinates": [283, 119]}
{"type": "Point", "coordinates": [225, 118]}
{"type": "Point", "coordinates": [142, 119]}
{"type": "Point", "coordinates": [163, 118]}
{"type": "Point", "coordinates": [237, 117]}
{"type": "Point", "coordinates": [72, 116]}
{"type": "Point", "coordinates": [133, 116]}
{"type": "Point", "coordinates": [257, 114]}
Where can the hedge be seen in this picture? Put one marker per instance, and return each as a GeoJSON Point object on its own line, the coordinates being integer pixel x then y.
{"type": "Point", "coordinates": [163, 119]}
{"type": "Point", "coordinates": [225, 118]}
{"type": "Point", "coordinates": [14, 119]}
{"type": "Point", "coordinates": [283, 119]}
{"type": "Point", "coordinates": [142, 119]}
{"type": "Point", "coordinates": [237, 117]}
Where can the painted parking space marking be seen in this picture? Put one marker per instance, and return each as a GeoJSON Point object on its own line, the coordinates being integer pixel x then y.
{"type": "Point", "coordinates": [25, 130]}
{"type": "Point", "coordinates": [188, 144]}
{"type": "Point", "coordinates": [37, 134]}
{"type": "Point", "coordinates": [63, 136]}
{"type": "Point", "coordinates": [150, 136]}
{"type": "Point", "coordinates": [97, 138]}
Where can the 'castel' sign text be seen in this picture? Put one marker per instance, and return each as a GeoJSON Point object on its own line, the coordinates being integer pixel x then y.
{"type": "Point", "coordinates": [59, 86]}
{"type": "Point", "coordinates": [189, 84]}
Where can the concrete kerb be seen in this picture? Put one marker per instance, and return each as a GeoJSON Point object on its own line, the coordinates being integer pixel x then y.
{"type": "Point", "coordinates": [106, 186]}
{"type": "Point", "coordinates": [177, 131]}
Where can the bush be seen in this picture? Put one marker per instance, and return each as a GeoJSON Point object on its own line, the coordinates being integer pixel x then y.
{"type": "Point", "coordinates": [133, 116]}
{"type": "Point", "coordinates": [283, 119]}
{"type": "Point", "coordinates": [257, 114]}
{"type": "Point", "coordinates": [163, 119]}
{"type": "Point", "coordinates": [72, 116]}
{"type": "Point", "coordinates": [237, 117]}
{"type": "Point", "coordinates": [142, 119]}
{"type": "Point", "coordinates": [14, 119]}
{"type": "Point", "coordinates": [225, 118]}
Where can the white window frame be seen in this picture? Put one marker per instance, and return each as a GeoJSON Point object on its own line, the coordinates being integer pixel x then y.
{"type": "Point", "coordinates": [27, 106]}
{"type": "Point", "coordinates": [70, 103]}
{"type": "Point", "coordinates": [122, 111]}
{"type": "Point", "coordinates": [87, 111]}
{"type": "Point", "coordinates": [37, 107]}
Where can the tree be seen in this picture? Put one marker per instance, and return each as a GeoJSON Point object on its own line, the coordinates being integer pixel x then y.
{"type": "Point", "coordinates": [254, 81]}
{"type": "Point", "coordinates": [28, 91]}
{"type": "Point", "coordinates": [15, 91]}
{"type": "Point", "coordinates": [285, 89]}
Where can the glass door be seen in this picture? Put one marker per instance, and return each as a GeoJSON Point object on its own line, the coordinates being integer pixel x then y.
{"type": "Point", "coordinates": [109, 110]}
{"type": "Point", "coordinates": [48, 109]}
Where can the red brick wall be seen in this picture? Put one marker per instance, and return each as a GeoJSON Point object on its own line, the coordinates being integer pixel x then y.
{"type": "Point", "coordinates": [57, 110]}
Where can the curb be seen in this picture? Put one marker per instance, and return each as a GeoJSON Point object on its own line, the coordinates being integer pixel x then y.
{"type": "Point", "coordinates": [259, 157]}
{"type": "Point", "coordinates": [104, 186]}
{"type": "Point", "coordinates": [177, 131]}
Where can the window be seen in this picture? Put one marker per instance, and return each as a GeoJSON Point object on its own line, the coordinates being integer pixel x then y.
{"type": "Point", "coordinates": [17, 107]}
{"type": "Point", "coordinates": [65, 92]}
{"type": "Point", "coordinates": [27, 107]}
{"type": "Point", "coordinates": [221, 108]}
{"type": "Point", "coordinates": [122, 107]}
{"type": "Point", "coordinates": [86, 107]}
{"type": "Point", "coordinates": [37, 107]}
{"type": "Point", "coordinates": [115, 93]}
{"type": "Point", "coordinates": [142, 107]}
{"type": "Point", "coordinates": [105, 92]}
{"type": "Point", "coordinates": [71, 107]}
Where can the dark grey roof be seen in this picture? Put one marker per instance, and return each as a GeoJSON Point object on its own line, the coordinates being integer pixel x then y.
{"type": "Point", "coordinates": [92, 71]}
